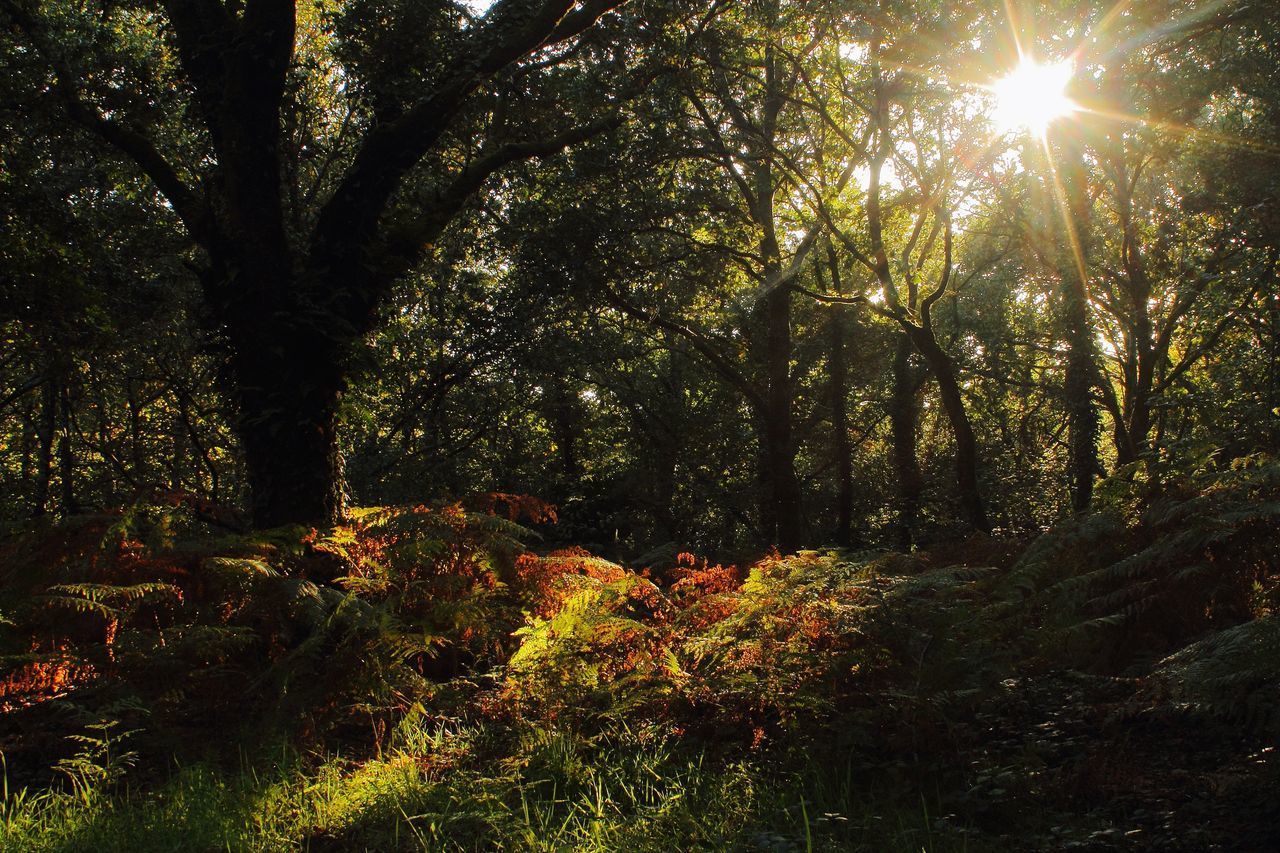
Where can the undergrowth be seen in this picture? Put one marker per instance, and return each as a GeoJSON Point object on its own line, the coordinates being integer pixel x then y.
{"type": "Point", "coordinates": [423, 677]}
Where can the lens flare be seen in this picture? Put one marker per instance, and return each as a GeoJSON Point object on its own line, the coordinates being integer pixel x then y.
{"type": "Point", "coordinates": [1033, 96]}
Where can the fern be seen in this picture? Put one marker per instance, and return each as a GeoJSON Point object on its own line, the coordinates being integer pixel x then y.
{"type": "Point", "coordinates": [1168, 559]}
{"type": "Point", "coordinates": [1233, 674]}
{"type": "Point", "coordinates": [108, 601]}
{"type": "Point", "coordinates": [100, 760]}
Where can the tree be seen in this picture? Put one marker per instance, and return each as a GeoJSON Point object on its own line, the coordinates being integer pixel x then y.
{"type": "Point", "coordinates": [742, 160]}
{"type": "Point", "coordinates": [304, 225]}
{"type": "Point", "coordinates": [900, 125]}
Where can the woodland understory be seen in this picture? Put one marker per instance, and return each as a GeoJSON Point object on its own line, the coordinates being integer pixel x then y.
{"type": "Point", "coordinates": [419, 679]}
{"type": "Point", "coordinates": [752, 425]}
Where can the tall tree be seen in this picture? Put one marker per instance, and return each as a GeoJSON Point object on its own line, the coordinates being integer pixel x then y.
{"type": "Point", "coordinates": [908, 135]}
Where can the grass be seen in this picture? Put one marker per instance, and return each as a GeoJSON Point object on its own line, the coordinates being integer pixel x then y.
{"type": "Point", "coordinates": [448, 790]}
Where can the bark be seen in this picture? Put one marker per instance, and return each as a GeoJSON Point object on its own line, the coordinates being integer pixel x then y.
{"type": "Point", "coordinates": [943, 369]}
{"type": "Point", "coordinates": [563, 417]}
{"type": "Point", "coordinates": [667, 438]}
{"type": "Point", "coordinates": [1142, 350]}
{"type": "Point", "coordinates": [1083, 422]}
{"type": "Point", "coordinates": [666, 460]}
{"type": "Point", "coordinates": [1273, 369]}
{"type": "Point", "coordinates": [288, 382]}
{"type": "Point", "coordinates": [838, 391]}
{"type": "Point", "coordinates": [1082, 374]}
{"type": "Point", "coordinates": [781, 512]}
{"type": "Point", "coordinates": [136, 458]}
{"type": "Point", "coordinates": [902, 419]}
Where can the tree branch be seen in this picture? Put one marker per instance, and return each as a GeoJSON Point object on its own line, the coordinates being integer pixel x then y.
{"type": "Point", "coordinates": [699, 342]}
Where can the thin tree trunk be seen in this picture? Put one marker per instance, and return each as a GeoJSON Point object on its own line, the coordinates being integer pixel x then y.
{"type": "Point", "coordinates": [29, 439]}
{"type": "Point", "coordinates": [1273, 370]}
{"type": "Point", "coordinates": [1083, 423]}
{"type": "Point", "coordinates": [669, 444]}
{"type": "Point", "coordinates": [136, 457]}
{"type": "Point", "coordinates": [837, 390]}
{"type": "Point", "coordinates": [781, 511]}
{"type": "Point", "coordinates": [47, 427]}
{"type": "Point", "coordinates": [781, 506]}
{"type": "Point", "coordinates": [66, 456]}
{"type": "Point", "coordinates": [902, 418]}
{"type": "Point", "coordinates": [563, 417]}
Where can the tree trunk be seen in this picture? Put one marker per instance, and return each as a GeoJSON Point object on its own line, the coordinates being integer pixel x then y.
{"type": "Point", "coordinates": [1141, 349]}
{"type": "Point", "coordinates": [902, 417]}
{"type": "Point", "coordinates": [563, 417]}
{"type": "Point", "coordinates": [781, 511]}
{"type": "Point", "coordinates": [48, 426]}
{"type": "Point", "coordinates": [837, 390]}
{"type": "Point", "coordinates": [136, 457]}
{"type": "Point", "coordinates": [943, 369]}
{"type": "Point", "coordinates": [840, 447]}
{"type": "Point", "coordinates": [1082, 374]}
{"type": "Point", "coordinates": [667, 438]}
{"type": "Point", "coordinates": [288, 383]}
{"type": "Point", "coordinates": [1273, 370]}
{"type": "Point", "coordinates": [666, 525]}
{"type": "Point", "coordinates": [66, 456]}
{"type": "Point", "coordinates": [292, 458]}
{"type": "Point", "coordinates": [1138, 416]}
{"type": "Point", "coordinates": [1083, 423]}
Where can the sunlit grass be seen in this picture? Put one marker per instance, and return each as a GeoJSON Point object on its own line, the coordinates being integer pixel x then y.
{"type": "Point", "coordinates": [553, 791]}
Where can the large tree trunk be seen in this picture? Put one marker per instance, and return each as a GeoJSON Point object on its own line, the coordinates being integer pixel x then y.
{"type": "Point", "coordinates": [902, 418]}
{"type": "Point", "coordinates": [287, 375]}
{"type": "Point", "coordinates": [291, 450]}
{"type": "Point", "coordinates": [944, 372]}
{"type": "Point", "coordinates": [781, 512]}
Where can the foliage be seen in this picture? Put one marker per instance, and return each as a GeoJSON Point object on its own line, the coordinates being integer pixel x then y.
{"type": "Point", "coordinates": [1170, 556]}
{"type": "Point", "coordinates": [562, 700]}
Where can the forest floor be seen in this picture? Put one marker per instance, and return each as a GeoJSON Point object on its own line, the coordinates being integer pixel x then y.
{"type": "Point", "coordinates": [1089, 690]}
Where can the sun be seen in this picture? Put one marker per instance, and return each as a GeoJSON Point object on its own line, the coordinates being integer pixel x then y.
{"type": "Point", "coordinates": [1032, 96]}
